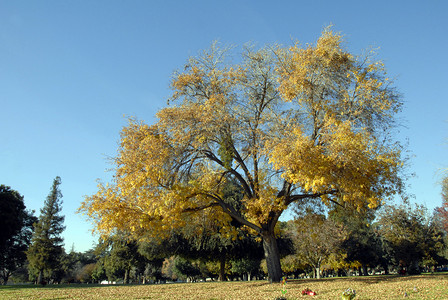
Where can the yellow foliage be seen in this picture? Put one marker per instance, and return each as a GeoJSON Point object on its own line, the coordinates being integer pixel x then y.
{"type": "Point", "coordinates": [284, 124]}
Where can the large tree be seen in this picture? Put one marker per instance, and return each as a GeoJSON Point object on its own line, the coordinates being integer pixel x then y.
{"type": "Point", "coordinates": [46, 249]}
{"type": "Point", "coordinates": [287, 124]}
{"type": "Point", "coordinates": [16, 225]}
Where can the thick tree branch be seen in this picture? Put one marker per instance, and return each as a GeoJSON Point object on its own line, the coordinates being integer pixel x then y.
{"type": "Point", "coordinates": [246, 187]}
{"type": "Point", "coordinates": [199, 208]}
{"type": "Point", "coordinates": [294, 198]}
{"type": "Point", "coordinates": [231, 211]}
{"type": "Point", "coordinates": [241, 163]}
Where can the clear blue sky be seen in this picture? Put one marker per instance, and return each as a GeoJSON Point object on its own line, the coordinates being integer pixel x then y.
{"type": "Point", "coordinates": [71, 71]}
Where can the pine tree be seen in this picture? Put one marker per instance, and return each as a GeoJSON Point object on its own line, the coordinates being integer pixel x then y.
{"type": "Point", "coordinates": [47, 244]}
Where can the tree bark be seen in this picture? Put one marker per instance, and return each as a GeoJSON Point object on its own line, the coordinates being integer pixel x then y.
{"type": "Point", "coordinates": [413, 268]}
{"type": "Point", "coordinates": [386, 268]}
{"type": "Point", "coordinates": [365, 270]}
{"type": "Point", "coordinates": [126, 276]}
{"type": "Point", "coordinates": [40, 277]}
{"type": "Point", "coordinates": [5, 276]}
{"type": "Point", "coordinates": [272, 256]}
{"type": "Point", "coordinates": [222, 267]}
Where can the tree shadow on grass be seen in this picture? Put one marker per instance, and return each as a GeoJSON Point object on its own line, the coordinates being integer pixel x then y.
{"type": "Point", "coordinates": [373, 279]}
{"type": "Point", "coordinates": [56, 286]}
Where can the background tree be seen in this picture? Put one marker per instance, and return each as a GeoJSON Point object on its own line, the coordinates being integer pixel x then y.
{"type": "Point", "coordinates": [155, 252]}
{"type": "Point", "coordinates": [442, 211]}
{"type": "Point", "coordinates": [85, 274]}
{"type": "Point", "coordinates": [11, 208]}
{"type": "Point", "coordinates": [118, 257]}
{"type": "Point", "coordinates": [362, 243]}
{"type": "Point", "coordinates": [205, 242]}
{"type": "Point", "coordinates": [293, 265]}
{"type": "Point", "coordinates": [383, 248]}
{"type": "Point", "coordinates": [412, 235]}
{"type": "Point", "coordinates": [168, 270]}
{"type": "Point", "coordinates": [46, 249]}
{"type": "Point", "coordinates": [101, 252]}
{"type": "Point", "coordinates": [186, 270]}
{"type": "Point", "coordinates": [74, 263]}
{"type": "Point", "coordinates": [315, 237]}
{"type": "Point", "coordinates": [441, 220]}
{"type": "Point", "coordinates": [246, 268]}
{"type": "Point", "coordinates": [287, 124]}
{"type": "Point", "coordinates": [15, 236]}
{"type": "Point", "coordinates": [209, 241]}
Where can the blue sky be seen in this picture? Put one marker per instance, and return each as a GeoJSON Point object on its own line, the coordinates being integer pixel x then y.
{"type": "Point", "coordinates": [72, 71]}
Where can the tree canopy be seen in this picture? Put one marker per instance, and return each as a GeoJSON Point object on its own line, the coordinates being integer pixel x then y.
{"type": "Point", "coordinates": [286, 123]}
{"type": "Point", "coordinates": [412, 234]}
{"type": "Point", "coordinates": [11, 208]}
{"type": "Point", "coordinates": [315, 237]}
{"type": "Point", "coordinates": [362, 244]}
{"type": "Point", "coordinates": [17, 226]}
{"type": "Point", "coordinates": [442, 211]}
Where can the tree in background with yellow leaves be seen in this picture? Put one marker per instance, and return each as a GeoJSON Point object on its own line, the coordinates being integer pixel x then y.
{"type": "Point", "coordinates": [287, 124]}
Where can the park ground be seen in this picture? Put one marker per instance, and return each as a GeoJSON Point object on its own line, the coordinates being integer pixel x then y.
{"type": "Point", "coordinates": [373, 287]}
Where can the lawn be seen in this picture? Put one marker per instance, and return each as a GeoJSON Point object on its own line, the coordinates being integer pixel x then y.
{"type": "Point", "coordinates": [372, 287]}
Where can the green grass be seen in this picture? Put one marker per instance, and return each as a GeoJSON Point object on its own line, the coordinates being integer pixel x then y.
{"type": "Point", "coordinates": [372, 287]}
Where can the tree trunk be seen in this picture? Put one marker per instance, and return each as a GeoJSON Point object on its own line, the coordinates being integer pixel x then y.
{"type": "Point", "coordinates": [126, 276]}
{"type": "Point", "coordinates": [413, 268]}
{"type": "Point", "coordinates": [317, 270]}
{"type": "Point", "coordinates": [386, 268]}
{"type": "Point", "coordinates": [272, 256]}
{"type": "Point", "coordinates": [365, 271]}
{"type": "Point", "coordinates": [5, 276]}
{"type": "Point", "coordinates": [222, 267]}
{"type": "Point", "coordinates": [40, 277]}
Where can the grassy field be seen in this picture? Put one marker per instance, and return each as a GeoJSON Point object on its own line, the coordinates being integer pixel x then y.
{"type": "Point", "coordinates": [372, 287]}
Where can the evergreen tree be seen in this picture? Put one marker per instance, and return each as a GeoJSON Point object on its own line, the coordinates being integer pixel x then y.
{"type": "Point", "coordinates": [46, 250]}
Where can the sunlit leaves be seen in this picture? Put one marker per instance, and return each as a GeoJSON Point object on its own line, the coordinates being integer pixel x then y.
{"type": "Point", "coordinates": [283, 123]}
{"type": "Point", "coordinates": [329, 82]}
{"type": "Point", "coordinates": [342, 160]}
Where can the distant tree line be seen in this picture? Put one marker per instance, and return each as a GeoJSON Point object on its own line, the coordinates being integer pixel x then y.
{"type": "Point", "coordinates": [320, 241]}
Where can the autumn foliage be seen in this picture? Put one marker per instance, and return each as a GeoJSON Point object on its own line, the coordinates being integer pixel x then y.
{"type": "Point", "coordinates": [287, 124]}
